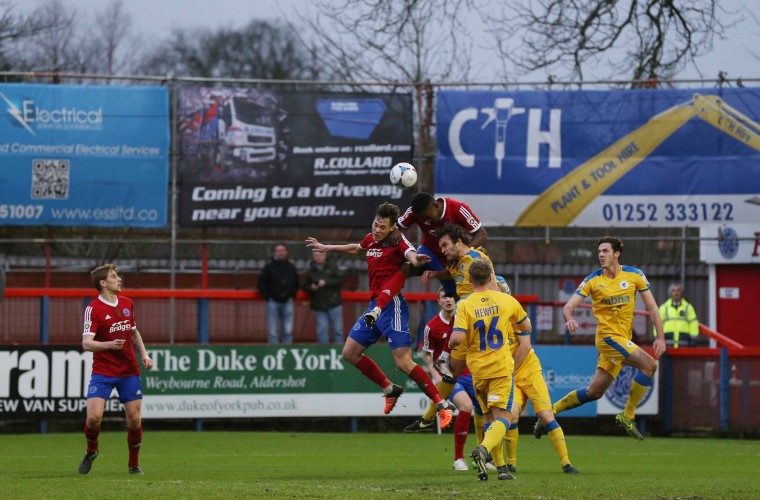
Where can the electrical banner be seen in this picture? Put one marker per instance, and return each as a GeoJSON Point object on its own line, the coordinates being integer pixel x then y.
{"type": "Point", "coordinates": [83, 156]}
{"type": "Point", "coordinates": [253, 157]}
{"type": "Point", "coordinates": [602, 158]}
{"type": "Point", "coordinates": [568, 368]}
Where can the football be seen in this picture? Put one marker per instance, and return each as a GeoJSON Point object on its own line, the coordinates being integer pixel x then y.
{"type": "Point", "coordinates": [403, 175]}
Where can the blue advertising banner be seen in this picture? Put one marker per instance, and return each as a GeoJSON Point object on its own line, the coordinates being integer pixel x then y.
{"type": "Point", "coordinates": [83, 156]}
{"type": "Point", "coordinates": [567, 369]}
{"type": "Point", "coordinates": [601, 158]}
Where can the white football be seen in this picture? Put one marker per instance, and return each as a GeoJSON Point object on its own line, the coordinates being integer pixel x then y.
{"type": "Point", "coordinates": [403, 175]}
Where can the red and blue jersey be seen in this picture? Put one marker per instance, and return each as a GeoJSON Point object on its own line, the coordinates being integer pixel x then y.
{"type": "Point", "coordinates": [437, 335]}
{"type": "Point", "coordinates": [108, 322]}
{"type": "Point", "coordinates": [383, 260]}
{"type": "Point", "coordinates": [454, 212]}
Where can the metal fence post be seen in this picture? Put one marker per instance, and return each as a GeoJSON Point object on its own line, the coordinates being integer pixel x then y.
{"type": "Point", "coordinates": [724, 386]}
{"type": "Point", "coordinates": [667, 402]}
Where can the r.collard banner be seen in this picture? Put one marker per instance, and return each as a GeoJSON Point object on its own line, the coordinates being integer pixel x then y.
{"type": "Point", "coordinates": [602, 158]}
{"type": "Point", "coordinates": [251, 157]}
{"type": "Point", "coordinates": [83, 156]}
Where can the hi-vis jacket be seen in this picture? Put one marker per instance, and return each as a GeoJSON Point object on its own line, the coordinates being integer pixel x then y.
{"type": "Point", "coordinates": [678, 321]}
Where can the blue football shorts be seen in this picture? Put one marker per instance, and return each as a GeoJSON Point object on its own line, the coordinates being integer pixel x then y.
{"type": "Point", "coordinates": [128, 388]}
{"type": "Point", "coordinates": [393, 323]}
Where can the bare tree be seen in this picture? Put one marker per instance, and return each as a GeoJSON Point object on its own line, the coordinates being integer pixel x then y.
{"type": "Point", "coordinates": [392, 40]}
{"type": "Point", "coordinates": [262, 49]}
{"type": "Point", "coordinates": [635, 39]}
{"type": "Point", "coordinates": [16, 29]}
{"type": "Point", "coordinates": [116, 48]}
{"type": "Point", "coordinates": [52, 49]}
{"type": "Point", "coordinates": [409, 41]}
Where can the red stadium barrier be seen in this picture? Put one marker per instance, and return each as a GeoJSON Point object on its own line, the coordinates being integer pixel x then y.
{"type": "Point", "coordinates": [186, 316]}
{"type": "Point", "coordinates": [165, 293]}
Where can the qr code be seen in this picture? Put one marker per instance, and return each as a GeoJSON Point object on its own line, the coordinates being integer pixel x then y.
{"type": "Point", "coordinates": [50, 179]}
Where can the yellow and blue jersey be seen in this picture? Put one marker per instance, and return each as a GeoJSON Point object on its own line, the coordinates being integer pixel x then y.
{"type": "Point", "coordinates": [613, 299]}
{"type": "Point", "coordinates": [460, 272]}
{"type": "Point", "coordinates": [486, 320]}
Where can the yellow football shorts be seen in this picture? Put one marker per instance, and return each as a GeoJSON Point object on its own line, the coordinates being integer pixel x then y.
{"type": "Point", "coordinates": [613, 350]}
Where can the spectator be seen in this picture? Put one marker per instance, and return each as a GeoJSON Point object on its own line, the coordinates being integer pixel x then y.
{"type": "Point", "coordinates": [323, 283]}
{"type": "Point", "coordinates": [278, 285]}
{"type": "Point", "coordinates": [679, 320]}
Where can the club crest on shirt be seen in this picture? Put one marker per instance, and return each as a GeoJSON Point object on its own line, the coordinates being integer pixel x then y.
{"type": "Point", "coordinates": [126, 312]}
{"type": "Point", "coordinates": [624, 285]}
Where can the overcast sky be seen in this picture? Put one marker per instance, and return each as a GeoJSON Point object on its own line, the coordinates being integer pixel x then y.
{"type": "Point", "coordinates": [156, 18]}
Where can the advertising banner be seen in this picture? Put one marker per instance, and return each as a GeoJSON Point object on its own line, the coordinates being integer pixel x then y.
{"type": "Point", "coordinates": [207, 382]}
{"type": "Point", "coordinates": [602, 158]}
{"type": "Point", "coordinates": [567, 368]}
{"type": "Point", "coordinates": [203, 381]}
{"type": "Point", "coordinates": [730, 244]}
{"type": "Point", "coordinates": [252, 157]}
{"type": "Point", "coordinates": [83, 156]}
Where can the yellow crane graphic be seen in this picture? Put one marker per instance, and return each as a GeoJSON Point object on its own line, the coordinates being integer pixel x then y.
{"type": "Point", "coordinates": [564, 200]}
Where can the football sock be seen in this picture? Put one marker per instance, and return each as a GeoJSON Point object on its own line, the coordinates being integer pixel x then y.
{"type": "Point", "coordinates": [493, 438]}
{"type": "Point", "coordinates": [373, 372]}
{"type": "Point", "coordinates": [639, 386]}
{"type": "Point", "coordinates": [134, 440]}
{"type": "Point", "coordinates": [426, 385]}
{"type": "Point", "coordinates": [461, 429]}
{"type": "Point", "coordinates": [390, 289]}
{"type": "Point", "coordinates": [573, 400]}
{"type": "Point", "coordinates": [557, 438]}
{"type": "Point", "coordinates": [511, 440]}
{"type": "Point", "coordinates": [92, 438]}
{"type": "Point", "coordinates": [444, 389]}
{"type": "Point", "coordinates": [478, 421]}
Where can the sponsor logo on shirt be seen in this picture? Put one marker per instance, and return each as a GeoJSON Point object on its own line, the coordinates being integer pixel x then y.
{"type": "Point", "coordinates": [374, 252]}
{"type": "Point", "coordinates": [120, 326]}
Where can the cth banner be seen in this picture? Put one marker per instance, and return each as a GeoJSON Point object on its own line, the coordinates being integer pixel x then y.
{"type": "Point", "coordinates": [602, 158]}
{"type": "Point", "coordinates": [259, 157]}
{"type": "Point", "coordinates": [83, 156]}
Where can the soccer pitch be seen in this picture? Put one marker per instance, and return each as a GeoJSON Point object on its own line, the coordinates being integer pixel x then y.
{"type": "Point", "coordinates": [384, 465]}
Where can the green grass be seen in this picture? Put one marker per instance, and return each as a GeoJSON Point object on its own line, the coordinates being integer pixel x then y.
{"type": "Point", "coordinates": [287, 464]}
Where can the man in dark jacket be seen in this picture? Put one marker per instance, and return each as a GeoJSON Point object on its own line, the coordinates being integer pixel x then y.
{"type": "Point", "coordinates": [323, 284]}
{"type": "Point", "coordinates": [278, 285]}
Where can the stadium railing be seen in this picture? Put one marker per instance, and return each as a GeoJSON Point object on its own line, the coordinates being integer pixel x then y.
{"type": "Point", "coordinates": [54, 315]}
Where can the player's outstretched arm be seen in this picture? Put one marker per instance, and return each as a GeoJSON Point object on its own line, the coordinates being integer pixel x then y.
{"type": "Point", "coordinates": [442, 274]}
{"type": "Point", "coordinates": [479, 237]}
{"type": "Point", "coordinates": [351, 248]}
{"type": "Point", "coordinates": [567, 312]}
{"type": "Point", "coordinates": [138, 341]}
{"type": "Point", "coordinates": [417, 260]}
{"type": "Point", "coordinates": [523, 349]}
{"type": "Point", "coordinates": [659, 345]}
